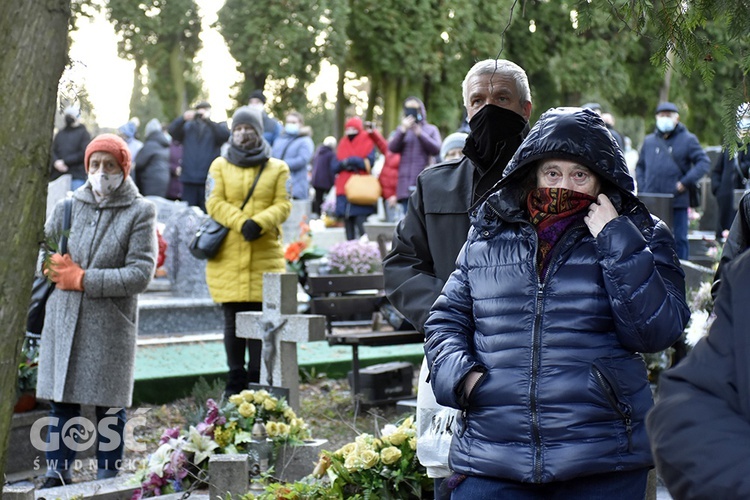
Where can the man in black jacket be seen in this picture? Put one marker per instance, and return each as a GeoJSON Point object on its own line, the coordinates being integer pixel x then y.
{"type": "Point", "coordinates": [700, 426]}
{"type": "Point", "coordinates": [68, 149]}
{"type": "Point", "coordinates": [201, 140]}
{"type": "Point", "coordinates": [427, 241]}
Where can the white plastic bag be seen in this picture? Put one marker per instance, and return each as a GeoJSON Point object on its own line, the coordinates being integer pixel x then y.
{"type": "Point", "coordinates": [435, 426]}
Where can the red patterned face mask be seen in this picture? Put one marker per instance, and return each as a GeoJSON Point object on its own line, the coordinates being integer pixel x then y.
{"type": "Point", "coordinates": [552, 211]}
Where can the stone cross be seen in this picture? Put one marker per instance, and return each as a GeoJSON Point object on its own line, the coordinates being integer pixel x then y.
{"type": "Point", "coordinates": [280, 328]}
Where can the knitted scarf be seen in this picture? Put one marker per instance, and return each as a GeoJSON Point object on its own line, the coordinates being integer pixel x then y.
{"type": "Point", "coordinates": [552, 211]}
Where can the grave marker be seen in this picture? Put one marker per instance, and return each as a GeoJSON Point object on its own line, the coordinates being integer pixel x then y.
{"type": "Point", "coordinates": [279, 327]}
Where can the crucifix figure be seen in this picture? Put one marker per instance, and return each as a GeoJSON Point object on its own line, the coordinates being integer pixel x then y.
{"type": "Point", "coordinates": [279, 327]}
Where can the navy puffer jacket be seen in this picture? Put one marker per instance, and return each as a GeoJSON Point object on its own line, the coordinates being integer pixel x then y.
{"type": "Point", "coordinates": [563, 391]}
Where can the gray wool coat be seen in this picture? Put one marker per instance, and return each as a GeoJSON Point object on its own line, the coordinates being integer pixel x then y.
{"type": "Point", "coordinates": [87, 353]}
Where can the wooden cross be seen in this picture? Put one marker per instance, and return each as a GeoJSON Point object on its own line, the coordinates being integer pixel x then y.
{"type": "Point", "coordinates": [279, 327]}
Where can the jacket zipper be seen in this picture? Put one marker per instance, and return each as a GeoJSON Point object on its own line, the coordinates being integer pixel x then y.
{"type": "Point", "coordinates": [536, 348]}
{"type": "Point", "coordinates": [533, 387]}
{"type": "Point", "coordinates": [616, 405]}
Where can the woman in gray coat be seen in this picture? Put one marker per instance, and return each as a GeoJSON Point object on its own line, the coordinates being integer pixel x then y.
{"type": "Point", "coordinates": [87, 352]}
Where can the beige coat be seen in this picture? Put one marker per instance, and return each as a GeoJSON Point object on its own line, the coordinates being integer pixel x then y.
{"type": "Point", "coordinates": [87, 353]}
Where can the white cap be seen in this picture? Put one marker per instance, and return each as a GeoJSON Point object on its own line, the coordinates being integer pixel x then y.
{"type": "Point", "coordinates": [74, 111]}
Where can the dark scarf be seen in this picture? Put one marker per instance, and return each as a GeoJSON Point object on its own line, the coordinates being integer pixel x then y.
{"type": "Point", "coordinates": [495, 136]}
{"type": "Point", "coordinates": [552, 211]}
{"type": "Point", "coordinates": [248, 157]}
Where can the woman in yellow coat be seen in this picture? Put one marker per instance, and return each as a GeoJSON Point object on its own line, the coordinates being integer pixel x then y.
{"type": "Point", "coordinates": [253, 245]}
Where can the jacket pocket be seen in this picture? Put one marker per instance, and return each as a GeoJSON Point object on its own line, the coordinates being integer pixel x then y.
{"type": "Point", "coordinates": [606, 382]}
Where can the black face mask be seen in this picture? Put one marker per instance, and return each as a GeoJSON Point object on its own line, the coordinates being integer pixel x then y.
{"type": "Point", "coordinates": [69, 120]}
{"type": "Point", "coordinates": [492, 129]}
{"type": "Point", "coordinates": [352, 136]}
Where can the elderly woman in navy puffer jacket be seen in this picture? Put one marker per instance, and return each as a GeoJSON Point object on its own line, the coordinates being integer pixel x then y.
{"type": "Point", "coordinates": [564, 279]}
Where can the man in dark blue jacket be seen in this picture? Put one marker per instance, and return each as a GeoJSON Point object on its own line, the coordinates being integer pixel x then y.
{"type": "Point", "coordinates": [201, 140]}
{"type": "Point", "coordinates": [671, 162]}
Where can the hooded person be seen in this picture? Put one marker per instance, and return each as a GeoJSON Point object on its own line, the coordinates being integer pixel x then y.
{"type": "Point", "coordinates": [128, 132]}
{"type": "Point", "coordinates": [152, 162]}
{"type": "Point", "coordinates": [564, 280]}
{"type": "Point", "coordinates": [271, 127]}
{"type": "Point", "coordinates": [418, 142]}
{"type": "Point", "coordinates": [355, 154]}
{"type": "Point", "coordinates": [453, 145]}
{"type": "Point", "coordinates": [253, 245]}
{"type": "Point", "coordinates": [87, 352]}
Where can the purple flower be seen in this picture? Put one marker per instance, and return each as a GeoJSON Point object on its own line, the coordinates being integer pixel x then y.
{"type": "Point", "coordinates": [204, 429]}
{"type": "Point", "coordinates": [212, 412]}
{"type": "Point", "coordinates": [354, 257]}
{"type": "Point", "coordinates": [176, 467]}
{"type": "Point", "coordinates": [171, 433]}
{"type": "Point", "coordinates": [155, 483]}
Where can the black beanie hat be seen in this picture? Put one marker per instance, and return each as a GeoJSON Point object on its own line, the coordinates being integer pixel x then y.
{"type": "Point", "coordinates": [257, 94]}
{"type": "Point", "coordinates": [248, 116]}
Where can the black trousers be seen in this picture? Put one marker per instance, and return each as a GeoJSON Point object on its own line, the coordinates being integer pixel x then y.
{"type": "Point", "coordinates": [239, 375]}
{"type": "Point", "coordinates": [320, 196]}
{"type": "Point", "coordinates": [354, 226]}
{"type": "Point", "coordinates": [194, 195]}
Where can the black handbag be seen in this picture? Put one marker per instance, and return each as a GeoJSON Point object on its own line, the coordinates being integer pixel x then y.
{"type": "Point", "coordinates": [43, 286]}
{"type": "Point", "coordinates": [210, 234]}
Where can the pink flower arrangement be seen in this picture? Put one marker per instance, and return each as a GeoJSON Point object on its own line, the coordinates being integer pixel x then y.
{"type": "Point", "coordinates": [354, 257]}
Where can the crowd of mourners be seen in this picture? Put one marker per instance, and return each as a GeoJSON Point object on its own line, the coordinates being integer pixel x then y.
{"type": "Point", "coordinates": [522, 251]}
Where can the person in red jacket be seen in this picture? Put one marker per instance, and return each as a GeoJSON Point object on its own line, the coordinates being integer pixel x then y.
{"type": "Point", "coordinates": [388, 174]}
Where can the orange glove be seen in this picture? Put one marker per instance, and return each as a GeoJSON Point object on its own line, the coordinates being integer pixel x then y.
{"type": "Point", "coordinates": [67, 274]}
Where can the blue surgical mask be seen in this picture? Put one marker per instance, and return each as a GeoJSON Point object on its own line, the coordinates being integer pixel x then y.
{"type": "Point", "coordinates": [665, 124]}
{"type": "Point", "coordinates": [291, 128]}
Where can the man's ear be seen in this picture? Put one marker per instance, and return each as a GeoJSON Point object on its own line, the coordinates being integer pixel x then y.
{"type": "Point", "coordinates": [526, 106]}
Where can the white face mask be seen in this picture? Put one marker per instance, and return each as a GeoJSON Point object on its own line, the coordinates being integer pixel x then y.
{"type": "Point", "coordinates": [665, 124]}
{"type": "Point", "coordinates": [292, 128]}
{"type": "Point", "coordinates": [105, 184]}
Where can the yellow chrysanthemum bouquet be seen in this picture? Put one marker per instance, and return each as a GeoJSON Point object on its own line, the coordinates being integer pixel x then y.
{"type": "Point", "coordinates": [243, 409]}
{"type": "Point", "coordinates": [384, 467]}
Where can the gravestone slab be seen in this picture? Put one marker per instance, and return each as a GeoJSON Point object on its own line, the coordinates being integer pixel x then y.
{"type": "Point", "coordinates": [660, 205]}
{"type": "Point", "coordinates": [228, 475]}
{"type": "Point", "coordinates": [279, 327]}
{"type": "Point", "coordinates": [187, 274]}
{"type": "Point", "coordinates": [293, 462]}
{"type": "Point", "coordinates": [57, 190]}
{"type": "Point", "coordinates": [18, 493]}
{"type": "Point", "coordinates": [328, 237]}
{"type": "Point", "coordinates": [290, 227]}
{"type": "Point", "coordinates": [166, 209]}
{"type": "Point", "coordinates": [709, 208]}
{"type": "Point", "coordinates": [116, 488]}
{"type": "Point", "coordinates": [696, 275]}
{"type": "Point", "coordinates": [166, 315]}
{"type": "Point", "coordinates": [382, 234]}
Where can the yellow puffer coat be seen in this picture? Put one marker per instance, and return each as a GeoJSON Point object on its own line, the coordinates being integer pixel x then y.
{"type": "Point", "coordinates": [235, 274]}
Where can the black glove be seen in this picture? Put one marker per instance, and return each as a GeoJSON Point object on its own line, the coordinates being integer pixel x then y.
{"type": "Point", "coordinates": [250, 230]}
